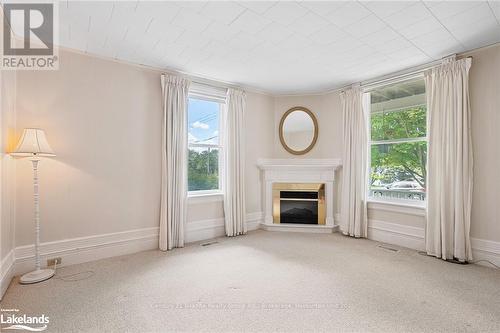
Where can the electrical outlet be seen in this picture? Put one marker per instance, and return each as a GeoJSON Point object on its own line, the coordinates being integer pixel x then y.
{"type": "Point", "coordinates": [53, 261]}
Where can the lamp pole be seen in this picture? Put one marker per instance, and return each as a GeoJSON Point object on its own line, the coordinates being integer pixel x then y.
{"type": "Point", "coordinates": [33, 144]}
{"type": "Point", "coordinates": [36, 199]}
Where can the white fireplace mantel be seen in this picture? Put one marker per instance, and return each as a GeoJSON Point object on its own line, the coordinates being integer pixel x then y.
{"type": "Point", "coordinates": [298, 171]}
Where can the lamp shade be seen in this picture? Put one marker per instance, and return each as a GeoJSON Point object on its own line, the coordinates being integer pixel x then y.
{"type": "Point", "coordinates": [33, 143]}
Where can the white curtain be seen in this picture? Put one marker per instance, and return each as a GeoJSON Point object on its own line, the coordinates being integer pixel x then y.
{"type": "Point", "coordinates": [354, 165]}
{"type": "Point", "coordinates": [450, 161]}
{"type": "Point", "coordinates": [234, 158]}
{"type": "Point", "coordinates": [174, 158]}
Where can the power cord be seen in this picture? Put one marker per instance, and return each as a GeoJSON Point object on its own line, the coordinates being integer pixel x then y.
{"type": "Point", "coordinates": [70, 277]}
{"type": "Point", "coordinates": [462, 262]}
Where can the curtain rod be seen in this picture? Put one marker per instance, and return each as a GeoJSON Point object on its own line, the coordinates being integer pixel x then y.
{"type": "Point", "coordinates": [399, 76]}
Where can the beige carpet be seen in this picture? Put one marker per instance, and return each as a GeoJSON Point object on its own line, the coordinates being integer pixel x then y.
{"type": "Point", "coordinates": [268, 281]}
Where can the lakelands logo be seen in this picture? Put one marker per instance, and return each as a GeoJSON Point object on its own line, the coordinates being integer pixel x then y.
{"type": "Point", "coordinates": [29, 35]}
{"type": "Point", "coordinates": [15, 321]}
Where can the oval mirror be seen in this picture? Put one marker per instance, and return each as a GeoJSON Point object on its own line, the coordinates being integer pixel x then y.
{"type": "Point", "coordinates": [298, 130]}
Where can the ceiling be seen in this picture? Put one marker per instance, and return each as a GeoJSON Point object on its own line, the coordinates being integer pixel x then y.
{"type": "Point", "coordinates": [279, 47]}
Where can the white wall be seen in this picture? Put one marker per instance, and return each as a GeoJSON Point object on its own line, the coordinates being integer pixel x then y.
{"type": "Point", "coordinates": [7, 174]}
{"type": "Point", "coordinates": [327, 110]}
{"type": "Point", "coordinates": [103, 119]}
{"type": "Point", "coordinates": [485, 107]}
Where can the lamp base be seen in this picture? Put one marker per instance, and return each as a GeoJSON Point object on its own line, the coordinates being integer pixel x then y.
{"type": "Point", "coordinates": [36, 276]}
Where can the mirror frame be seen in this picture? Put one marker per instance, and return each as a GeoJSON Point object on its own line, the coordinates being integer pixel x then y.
{"type": "Point", "coordinates": [282, 138]}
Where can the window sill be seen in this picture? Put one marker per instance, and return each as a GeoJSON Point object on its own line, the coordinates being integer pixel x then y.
{"type": "Point", "coordinates": [194, 198]}
{"type": "Point", "coordinates": [402, 207]}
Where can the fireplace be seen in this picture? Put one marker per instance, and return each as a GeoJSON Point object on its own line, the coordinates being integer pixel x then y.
{"type": "Point", "coordinates": [299, 203]}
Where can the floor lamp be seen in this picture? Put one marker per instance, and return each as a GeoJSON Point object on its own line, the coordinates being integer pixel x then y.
{"type": "Point", "coordinates": [34, 145]}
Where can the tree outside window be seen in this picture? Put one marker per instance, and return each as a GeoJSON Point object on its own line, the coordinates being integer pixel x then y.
{"type": "Point", "coordinates": [204, 143]}
{"type": "Point", "coordinates": [398, 145]}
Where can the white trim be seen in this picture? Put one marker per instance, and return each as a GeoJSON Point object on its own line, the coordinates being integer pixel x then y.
{"type": "Point", "coordinates": [212, 228]}
{"type": "Point", "coordinates": [254, 220]}
{"type": "Point", "coordinates": [84, 249]}
{"type": "Point", "coordinates": [401, 207]}
{"type": "Point", "coordinates": [91, 248]}
{"type": "Point", "coordinates": [6, 272]}
{"type": "Point", "coordinates": [483, 249]}
{"type": "Point", "coordinates": [299, 163]}
{"type": "Point", "coordinates": [204, 229]}
{"type": "Point", "coordinates": [195, 197]}
{"type": "Point", "coordinates": [414, 238]}
{"type": "Point", "coordinates": [397, 234]}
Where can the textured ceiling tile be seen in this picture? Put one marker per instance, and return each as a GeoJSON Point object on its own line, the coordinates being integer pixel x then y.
{"type": "Point", "coordinates": [223, 12]}
{"type": "Point", "coordinates": [161, 10]}
{"type": "Point", "coordinates": [470, 17]}
{"type": "Point", "coordinates": [196, 6]}
{"type": "Point", "coordinates": [444, 9]}
{"type": "Point", "coordinates": [495, 7]}
{"type": "Point", "coordinates": [259, 7]}
{"type": "Point", "coordinates": [393, 45]}
{"type": "Point", "coordinates": [308, 24]}
{"type": "Point", "coordinates": [408, 16]}
{"type": "Point", "coordinates": [380, 37]}
{"type": "Point", "coordinates": [322, 7]}
{"type": "Point", "coordinates": [274, 32]}
{"type": "Point", "coordinates": [219, 31]}
{"type": "Point", "coordinates": [433, 37]}
{"type": "Point", "coordinates": [189, 19]}
{"type": "Point", "coordinates": [386, 8]}
{"type": "Point", "coordinates": [250, 22]}
{"type": "Point", "coordinates": [420, 28]}
{"type": "Point", "coordinates": [365, 26]}
{"type": "Point", "coordinates": [285, 12]}
{"type": "Point", "coordinates": [302, 53]}
{"type": "Point", "coordinates": [328, 35]}
{"type": "Point", "coordinates": [348, 14]}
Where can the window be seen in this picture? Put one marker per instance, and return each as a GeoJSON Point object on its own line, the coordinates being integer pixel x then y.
{"type": "Point", "coordinates": [204, 144]}
{"type": "Point", "coordinates": [398, 141]}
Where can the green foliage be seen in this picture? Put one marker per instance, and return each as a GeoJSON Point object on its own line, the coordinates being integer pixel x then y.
{"type": "Point", "coordinates": [203, 169]}
{"type": "Point", "coordinates": [399, 161]}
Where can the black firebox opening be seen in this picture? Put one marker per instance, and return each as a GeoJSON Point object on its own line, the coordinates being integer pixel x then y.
{"type": "Point", "coordinates": [299, 211]}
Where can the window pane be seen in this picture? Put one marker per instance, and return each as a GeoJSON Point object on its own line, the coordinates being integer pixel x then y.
{"type": "Point", "coordinates": [398, 170]}
{"type": "Point", "coordinates": [407, 123]}
{"type": "Point", "coordinates": [203, 121]}
{"type": "Point", "coordinates": [203, 169]}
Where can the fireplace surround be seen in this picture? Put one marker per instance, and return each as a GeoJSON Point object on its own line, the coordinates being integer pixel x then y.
{"type": "Point", "coordinates": [298, 171]}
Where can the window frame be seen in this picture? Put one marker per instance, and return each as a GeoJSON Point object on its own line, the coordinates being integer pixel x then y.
{"type": "Point", "coordinates": [366, 98]}
{"type": "Point", "coordinates": [219, 145]}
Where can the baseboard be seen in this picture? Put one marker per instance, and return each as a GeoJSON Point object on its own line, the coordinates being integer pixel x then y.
{"type": "Point", "coordinates": [396, 234]}
{"type": "Point", "coordinates": [211, 228]}
{"type": "Point", "coordinates": [254, 220]}
{"type": "Point", "coordinates": [6, 272]}
{"type": "Point", "coordinates": [84, 249]}
{"type": "Point", "coordinates": [204, 229]}
{"type": "Point", "coordinates": [414, 238]}
{"type": "Point", "coordinates": [483, 249]}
